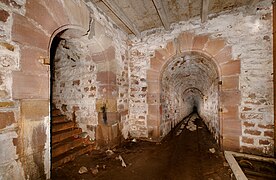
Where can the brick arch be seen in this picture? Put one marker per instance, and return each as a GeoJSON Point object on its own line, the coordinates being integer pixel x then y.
{"type": "Point", "coordinates": [220, 53]}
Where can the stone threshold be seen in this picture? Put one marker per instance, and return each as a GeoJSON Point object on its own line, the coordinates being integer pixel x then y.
{"type": "Point", "coordinates": [238, 172]}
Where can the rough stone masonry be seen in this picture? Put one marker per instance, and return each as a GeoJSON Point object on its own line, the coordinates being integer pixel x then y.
{"type": "Point", "coordinates": [223, 67]}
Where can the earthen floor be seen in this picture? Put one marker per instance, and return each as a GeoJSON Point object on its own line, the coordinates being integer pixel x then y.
{"type": "Point", "coordinates": [188, 152]}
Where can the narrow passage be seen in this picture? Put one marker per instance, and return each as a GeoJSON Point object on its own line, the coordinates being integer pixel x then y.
{"type": "Point", "coordinates": [188, 152]}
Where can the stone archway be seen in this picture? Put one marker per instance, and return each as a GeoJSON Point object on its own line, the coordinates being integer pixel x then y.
{"type": "Point", "coordinates": [30, 87]}
{"type": "Point", "coordinates": [228, 68]}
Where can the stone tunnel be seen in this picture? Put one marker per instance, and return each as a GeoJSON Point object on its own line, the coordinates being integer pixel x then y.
{"type": "Point", "coordinates": [73, 80]}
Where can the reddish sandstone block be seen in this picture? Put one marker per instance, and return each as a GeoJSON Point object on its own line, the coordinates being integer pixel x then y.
{"type": "Point", "coordinates": [153, 87]}
{"type": "Point", "coordinates": [269, 126]}
{"type": "Point", "coordinates": [6, 119]}
{"type": "Point", "coordinates": [27, 86]}
{"type": "Point", "coordinates": [156, 64]}
{"type": "Point", "coordinates": [106, 55]}
{"type": "Point", "coordinates": [231, 143]}
{"type": "Point", "coordinates": [225, 55]}
{"type": "Point", "coordinates": [107, 91]}
{"type": "Point", "coordinates": [264, 142]}
{"type": "Point", "coordinates": [78, 13]}
{"type": "Point", "coordinates": [30, 60]}
{"type": "Point", "coordinates": [154, 113]}
{"type": "Point", "coordinates": [171, 48]}
{"type": "Point", "coordinates": [57, 11]}
{"type": "Point", "coordinates": [152, 75]}
{"type": "Point", "coordinates": [4, 15]}
{"type": "Point", "coordinates": [231, 68]}
{"type": "Point", "coordinates": [37, 12]}
{"type": "Point", "coordinates": [153, 98]}
{"type": "Point", "coordinates": [153, 132]}
{"type": "Point", "coordinates": [232, 127]}
{"type": "Point", "coordinates": [154, 108]}
{"type": "Point", "coordinates": [230, 83]}
{"type": "Point", "coordinates": [214, 46]}
{"type": "Point", "coordinates": [252, 132]}
{"type": "Point", "coordinates": [199, 42]}
{"type": "Point", "coordinates": [25, 33]}
{"type": "Point", "coordinates": [250, 116]}
{"type": "Point", "coordinates": [230, 113]}
{"type": "Point", "coordinates": [247, 140]}
{"type": "Point", "coordinates": [186, 41]}
{"type": "Point", "coordinates": [152, 122]}
{"type": "Point", "coordinates": [106, 77]}
{"type": "Point", "coordinates": [161, 54]}
{"type": "Point", "coordinates": [35, 109]}
{"type": "Point", "coordinates": [248, 124]}
{"type": "Point", "coordinates": [230, 98]}
{"type": "Point", "coordinates": [269, 134]}
{"type": "Point", "coordinates": [252, 150]}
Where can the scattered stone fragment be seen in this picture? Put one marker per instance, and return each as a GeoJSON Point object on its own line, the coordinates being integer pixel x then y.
{"type": "Point", "coordinates": [109, 152]}
{"type": "Point", "coordinates": [122, 160]}
{"type": "Point", "coordinates": [95, 170]}
{"type": "Point", "coordinates": [212, 150]}
{"type": "Point", "coordinates": [178, 132]}
{"type": "Point", "coordinates": [83, 170]}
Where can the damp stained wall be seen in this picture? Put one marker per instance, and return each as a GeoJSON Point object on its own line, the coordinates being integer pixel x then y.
{"type": "Point", "coordinates": [26, 32]}
{"type": "Point", "coordinates": [242, 41]}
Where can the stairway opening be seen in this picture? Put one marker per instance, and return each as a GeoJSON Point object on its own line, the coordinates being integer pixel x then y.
{"type": "Point", "coordinates": [68, 140]}
{"type": "Point", "coordinates": [190, 83]}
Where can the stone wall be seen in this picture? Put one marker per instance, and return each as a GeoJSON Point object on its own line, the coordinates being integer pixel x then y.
{"type": "Point", "coordinates": [27, 29]}
{"type": "Point", "coordinates": [127, 74]}
{"type": "Point", "coordinates": [91, 72]}
{"type": "Point", "coordinates": [246, 98]}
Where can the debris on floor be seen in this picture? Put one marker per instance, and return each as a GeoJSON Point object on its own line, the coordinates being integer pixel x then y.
{"type": "Point", "coordinates": [191, 126]}
{"type": "Point", "coordinates": [191, 123]}
{"type": "Point", "coordinates": [184, 157]}
{"type": "Point", "coordinates": [212, 150]}
{"type": "Point", "coordinates": [122, 160]}
{"type": "Point", "coordinates": [95, 170]}
{"type": "Point", "coordinates": [109, 152]}
{"type": "Point", "coordinates": [83, 170]}
{"type": "Point", "coordinates": [178, 132]}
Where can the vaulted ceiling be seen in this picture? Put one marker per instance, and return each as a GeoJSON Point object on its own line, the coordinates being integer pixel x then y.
{"type": "Point", "coordinates": [135, 16]}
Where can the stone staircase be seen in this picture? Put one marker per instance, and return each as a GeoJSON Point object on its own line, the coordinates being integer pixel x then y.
{"type": "Point", "coordinates": [67, 141]}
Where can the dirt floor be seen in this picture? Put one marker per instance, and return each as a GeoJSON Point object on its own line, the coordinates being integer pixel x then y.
{"type": "Point", "coordinates": [188, 152]}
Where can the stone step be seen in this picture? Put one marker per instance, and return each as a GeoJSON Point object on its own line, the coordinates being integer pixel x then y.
{"type": "Point", "coordinates": [56, 112]}
{"type": "Point", "coordinates": [59, 119]}
{"type": "Point", "coordinates": [66, 145]}
{"type": "Point", "coordinates": [62, 135]}
{"type": "Point", "coordinates": [71, 155]}
{"type": "Point", "coordinates": [63, 126]}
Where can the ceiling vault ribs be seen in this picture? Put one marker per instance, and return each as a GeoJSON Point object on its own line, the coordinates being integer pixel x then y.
{"type": "Point", "coordinates": [111, 4]}
{"type": "Point", "coordinates": [204, 10]}
{"type": "Point", "coordinates": [162, 13]}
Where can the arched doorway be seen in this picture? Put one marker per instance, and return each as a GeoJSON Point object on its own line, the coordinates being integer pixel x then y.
{"type": "Point", "coordinates": [190, 81]}
{"type": "Point", "coordinates": [71, 71]}
{"type": "Point", "coordinates": [227, 128]}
